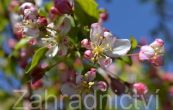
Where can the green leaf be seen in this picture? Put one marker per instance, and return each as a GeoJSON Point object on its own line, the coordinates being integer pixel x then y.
{"type": "Point", "coordinates": [22, 42]}
{"type": "Point", "coordinates": [71, 21]}
{"type": "Point", "coordinates": [4, 23]}
{"type": "Point", "coordinates": [134, 42]}
{"type": "Point", "coordinates": [126, 60]}
{"type": "Point", "coordinates": [86, 11]}
{"type": "Point", "coordinates": [39, 54]}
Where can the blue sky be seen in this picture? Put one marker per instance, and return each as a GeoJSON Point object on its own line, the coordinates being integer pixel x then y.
{"type": "Point", "coordinates": [130, 17]}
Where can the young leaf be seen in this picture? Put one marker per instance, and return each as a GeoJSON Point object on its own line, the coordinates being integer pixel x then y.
{"type": "Point", "coordinates": [134, 42]}
{"type": "Point", "coordinates": [22, 42]}
{"type": "Point", "coordinates": [126, 60]}
{"type": "Point", "coordinates": [39, 54]}
{"type": "Point", "coordinates": [86, 12]}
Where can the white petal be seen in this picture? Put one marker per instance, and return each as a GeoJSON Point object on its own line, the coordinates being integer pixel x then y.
{"type": "Point", "coordinates": [147, 50]}
{"type": "Point", "coordinates": [105, 62]}
{"type": "Point", "coordinates": [53, 51]}
{"type": "Point", "coordinates": [68, 89]}
{"type": "Point", "coordinates": [34, 32]}
{"type": "Point", "coordinates": [120, 48]}
{"type": "Point", "coordinates": [52, 32]}
{"type": "Point", "coordinates": [65, 26]}
{"type": "Point", "coordinates": [97, 30]}
{"type": "Point", "coordinates": [63, 50]}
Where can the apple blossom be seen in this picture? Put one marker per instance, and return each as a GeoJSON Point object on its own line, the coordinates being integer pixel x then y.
{"type": "Point", "coordinates": [26, 5]}
{"type": "Point", "coordinates": [104, 45]}
{"type": "Point", "coordinates": [153, 52]}
{"type": "Point", "coordinates": [31, 13]}
{"type": "Point", "coordinates": [84, 85]}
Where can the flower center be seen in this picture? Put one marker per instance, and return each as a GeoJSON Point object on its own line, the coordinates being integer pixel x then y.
{"type": "Point", "coordinates": [98, 50]}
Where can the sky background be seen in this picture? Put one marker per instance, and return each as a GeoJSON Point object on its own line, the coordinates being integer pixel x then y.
{"type": "Point", "coordinates": [130, 17]}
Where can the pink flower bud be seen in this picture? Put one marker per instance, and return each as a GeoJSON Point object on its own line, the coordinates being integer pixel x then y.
{"type": "Point", "coordinates": [157, 43]}
{"type": "Point", "coordinates": [37, 84]}
{"type": "Point", "coordinates": [140, 88]}
{"type": "Point", "coordinates": [54, 10]}
{"type": "Point", "coordinates": [64, 6]}
{"type": "Point", "coordinates": [12, 42]}
{"type": "Point", "coordinates": [146, 53]}
{"type": "Point", "coordinates": [42, 21]}
{"type": "Point", "coordinates": [103, 16]}
{"type": "Point", "coordinates": [33, 41]}
{"type": "Point", "coordinates": [91, 74]}
{"type": "Point", "coordinates": [93, 70]}
{"type": "Point", "coordinates": [86, 43]}
{"type": "Point", "coordinates": [168, 77]}
{"type": "Point", "coordinates": [102, 86]}
{"type": "Point", "coordinates": [88, 54]}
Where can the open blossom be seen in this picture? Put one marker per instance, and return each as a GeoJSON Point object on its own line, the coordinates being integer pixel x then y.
{"type": "Point", "coordinates": [29, 11]}
{"type": "Point", "coordinates": [104, 45]}
{"type": "Point", "coordinates": [153, 52]}
{"type": "Point", "coordinates": [57, 40]}
{"type": "Point", "coordinates": [29, 23]}
{"type": "Point", "coordinates": [84, 84]}
{"type": "Point", "coordinates": [26, 5]}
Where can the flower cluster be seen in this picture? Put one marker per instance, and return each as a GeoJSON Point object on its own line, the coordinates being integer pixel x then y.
{"type": "Point", "coordinates": [153, 52]}
{"type": "Point", "coordinates": [60, 37]}
{"type": "Point", "coordinates": [47, 32]}
{"type": "Point", "coordinates": [84, 84]}
{"type": "Point", "coordinates": [103, 45]}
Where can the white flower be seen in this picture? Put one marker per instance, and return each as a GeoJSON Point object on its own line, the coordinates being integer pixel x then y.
{"type": "Point", "coordinates": [105, 45]}
{"type": "Point", "coordinates": [56, 40]}
{"type": "Point", "coordinates": [84, 84]}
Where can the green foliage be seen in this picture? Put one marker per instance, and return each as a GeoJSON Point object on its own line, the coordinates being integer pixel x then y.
{"type": "Point", "coordinates": [126, 60]}
{"type": "Point", "coordinates": [39, 54]}
{"type": "Point", "coordinates": [134, 42]}
{"type": "Point", "coordinates": [22, 42]}
{"type": "Point", "coordinates": [86, 12]}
